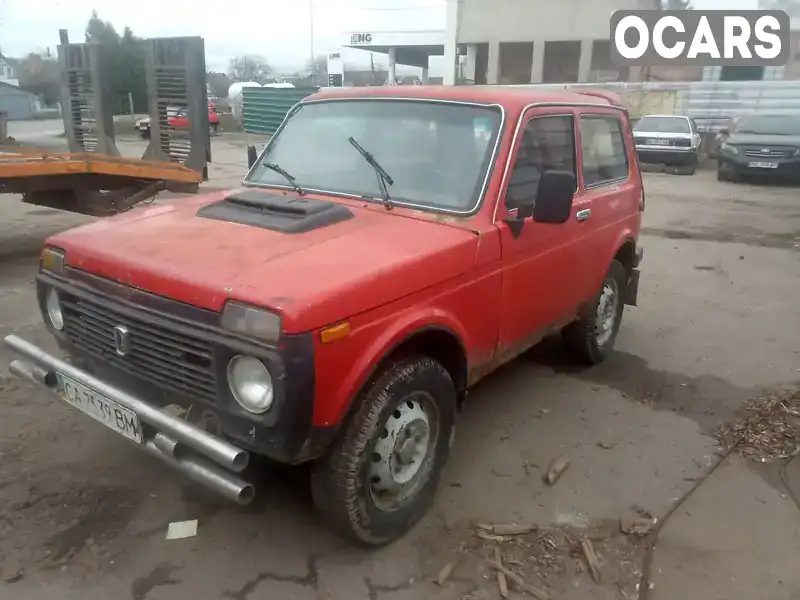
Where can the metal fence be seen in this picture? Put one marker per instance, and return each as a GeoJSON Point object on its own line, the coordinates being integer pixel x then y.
{"type": "Point", "coordinates": [265, 108]}
{"type": "Point", "coordinates": [712, 104]}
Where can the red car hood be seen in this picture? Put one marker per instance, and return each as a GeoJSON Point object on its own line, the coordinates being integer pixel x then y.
{"type": "Point", "coordinates": [312, 278]}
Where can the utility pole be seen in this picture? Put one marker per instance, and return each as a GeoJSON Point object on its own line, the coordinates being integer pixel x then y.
{"type": "Point", "coordinates": [311, 28]}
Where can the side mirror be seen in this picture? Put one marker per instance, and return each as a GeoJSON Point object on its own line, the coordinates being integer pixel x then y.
{"type": "Point", "coordinates": [252, 156]}
{"type": "Point", "coordinates": [554, 197]}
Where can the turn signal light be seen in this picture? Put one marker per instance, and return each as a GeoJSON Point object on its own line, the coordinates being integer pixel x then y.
{"type": "Point", "coordinates": [53, 260]}
{"type": "Point", "coordinates": [335, 332]}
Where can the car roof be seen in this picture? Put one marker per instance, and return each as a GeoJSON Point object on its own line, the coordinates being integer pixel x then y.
{"type": "Point", "coordinates": [667, 116]}
{"type": "Point", "coordinates": [512, 98]}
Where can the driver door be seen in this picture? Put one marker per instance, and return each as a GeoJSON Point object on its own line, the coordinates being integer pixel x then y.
{"type": "Point", "coordinates": [542, 266]}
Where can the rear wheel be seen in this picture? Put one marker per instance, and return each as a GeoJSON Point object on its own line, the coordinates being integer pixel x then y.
{"type": "Point", "coordinates": [213, 129]}
{"type": "Point", "coordinates": [381, 475]}
{"type": "Point", "coordinates": [592, 337]}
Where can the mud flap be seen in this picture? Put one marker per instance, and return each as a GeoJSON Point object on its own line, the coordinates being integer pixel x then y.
{"type": "Point", "coordinates": [632, 290]}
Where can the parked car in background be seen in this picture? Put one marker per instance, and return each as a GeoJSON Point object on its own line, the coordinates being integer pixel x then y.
{"type": "Point", "coordinates": [764, 145]}
{"type": "Point", "coordinates": [178, 118]}
{"type": "Point", "coordinates": [669, 139]}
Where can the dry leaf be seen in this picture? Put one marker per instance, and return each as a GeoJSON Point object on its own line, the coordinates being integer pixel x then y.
{"type": "Point", "coordinates": [591, 559]}
{"type": "Point", "coordinates": [521, 583]}
{"type": "Point", "coordinates": [446, 572]}
{"type": "Point", "coordinates": [557, 467]}
{"type": "Point", "coordinates": [607, 445]}
{"type": "Point", "coordinates": [635, 527]}
{"type": "Point", "coordinates": [511, 529]}
{"type": "Point", "coordinates": [502, 583]}
{"type": "Point", "coordinates": [484, 535]}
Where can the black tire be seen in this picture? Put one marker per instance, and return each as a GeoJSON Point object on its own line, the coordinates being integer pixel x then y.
{"type": "Point", "coordinates": [581, 337]}
{"type": "Point", "coordinates": [340, 482]}
{"type": "Point", "coordinates": [145, 135]}
{"type": "Point", "coordinates": [731, 176]}
{"type": "Point", "coordinates": [213, 130]}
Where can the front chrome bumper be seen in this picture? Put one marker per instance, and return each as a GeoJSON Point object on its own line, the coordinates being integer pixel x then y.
{"type": "Point", "coordinates": [201, 456]}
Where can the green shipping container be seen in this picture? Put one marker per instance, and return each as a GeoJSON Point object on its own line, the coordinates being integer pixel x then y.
{"type": "Point", "coordinates": [264, 108]}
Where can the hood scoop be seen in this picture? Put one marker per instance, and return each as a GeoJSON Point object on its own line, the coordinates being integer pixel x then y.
{"type": "Point", "coordinates": [277, 212]}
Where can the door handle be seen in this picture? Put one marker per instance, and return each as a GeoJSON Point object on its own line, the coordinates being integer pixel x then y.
{"type": "Point", "coordinates": [584, 214]}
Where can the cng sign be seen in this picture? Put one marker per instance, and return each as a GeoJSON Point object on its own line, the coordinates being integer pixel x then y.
{"type": "Point", "coordinates": [361, 39]}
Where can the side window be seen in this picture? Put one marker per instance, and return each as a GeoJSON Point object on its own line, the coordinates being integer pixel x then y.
{"type": "Point", "coordinates": [547, 143]}
{"type": "Point", "coordinates": [694, 126]}
{"type": "Point", "coordinates": [603, 145]}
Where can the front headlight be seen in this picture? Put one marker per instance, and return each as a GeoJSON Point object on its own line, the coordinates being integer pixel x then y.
{"type": "Point", "coordinates": [250, 384]}
{"type": "Point", "coordinates": [53, 260]}
{"type": "Point", "coordinates": [53, 306]}
{"type": "Point", "coordinates": [251, 321]}
{"type": "Point", "coordinates": [726, 147]}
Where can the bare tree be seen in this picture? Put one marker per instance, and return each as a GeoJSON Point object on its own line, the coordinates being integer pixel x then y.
{"type": "Point", "coordinates": [249, 68]}
{"type": "Point", "coordinates": [318, 66]}
{"type": "Point", "coordinates": [218, 83]}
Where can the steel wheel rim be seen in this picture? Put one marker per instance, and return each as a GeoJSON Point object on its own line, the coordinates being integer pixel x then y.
{"type": "Point", "coordinates": [606, 315]}
{"type": "Point", "coordinates": [403, 453]}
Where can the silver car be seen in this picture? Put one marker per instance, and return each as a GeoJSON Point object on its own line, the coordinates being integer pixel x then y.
{"type": "Point", "coordinates": [670, 139]}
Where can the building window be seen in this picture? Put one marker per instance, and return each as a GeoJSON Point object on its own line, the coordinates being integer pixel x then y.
{"type": "Point", "coordinates": [605, 159]}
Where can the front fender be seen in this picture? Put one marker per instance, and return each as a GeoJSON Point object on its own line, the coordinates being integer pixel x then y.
{"type": "Point", "coordinates": [363, 352]}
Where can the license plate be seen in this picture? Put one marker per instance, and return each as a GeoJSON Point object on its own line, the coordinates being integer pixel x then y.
{"type": "Point", "coordinates": [763, 165]}
{"type": "Point", "coordinates": [109, 413]}
{"type": "Point", "coordinates": [657, 142]}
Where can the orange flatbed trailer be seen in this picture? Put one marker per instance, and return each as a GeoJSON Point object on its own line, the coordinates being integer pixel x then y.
{"type": "Point", "coordinates": [93, 184]}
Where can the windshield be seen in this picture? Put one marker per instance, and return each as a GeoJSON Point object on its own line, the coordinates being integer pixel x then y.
{"type": "Point", "coordinates": [663, 125]}
{"type": "Point", "coordinates": [769, 125]}
{"type": "Point", "coordinates": [435, 153]}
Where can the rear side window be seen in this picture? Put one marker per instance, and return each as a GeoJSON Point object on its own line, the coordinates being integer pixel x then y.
{"type": "Point", "coordinates": [547, 143]}
{"type": "Point", "coordinates": [605, 159]}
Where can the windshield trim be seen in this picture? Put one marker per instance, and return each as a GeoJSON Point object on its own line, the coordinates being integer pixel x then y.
{"type": "Point", "coordinates": [402, 203]}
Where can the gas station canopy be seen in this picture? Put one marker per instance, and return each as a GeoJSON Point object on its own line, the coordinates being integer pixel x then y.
{"type": "Point", "coordinates": [410, 48]}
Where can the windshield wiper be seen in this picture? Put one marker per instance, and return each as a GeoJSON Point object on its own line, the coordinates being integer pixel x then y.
{"type": "Point", "coordinates": [384, 179]}
{"type": "Point", "coordinates": [289, 177]}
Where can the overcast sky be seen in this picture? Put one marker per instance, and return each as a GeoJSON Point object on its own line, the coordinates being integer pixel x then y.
{"type": "Point", "coordinates": [277, 29]}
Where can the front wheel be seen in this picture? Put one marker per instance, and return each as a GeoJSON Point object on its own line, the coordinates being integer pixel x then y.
{"type": "Point", "coordinates": [381, 475]}
{"type": "Point", "coordinates": [592, 337]}
{"type": "Point", "coordinates": [724, 174]}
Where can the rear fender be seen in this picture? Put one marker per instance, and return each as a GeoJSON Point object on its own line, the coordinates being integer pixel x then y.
{"type": "Point", "coordinates": [625, 236]}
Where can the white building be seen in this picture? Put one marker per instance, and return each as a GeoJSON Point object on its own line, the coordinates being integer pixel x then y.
{"type": "Point", "coordinates": [7, 73]}
{"type": "Point", "coordinates": [535, 41]}
{"type": "Point", "coordinates": [508, 42]}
